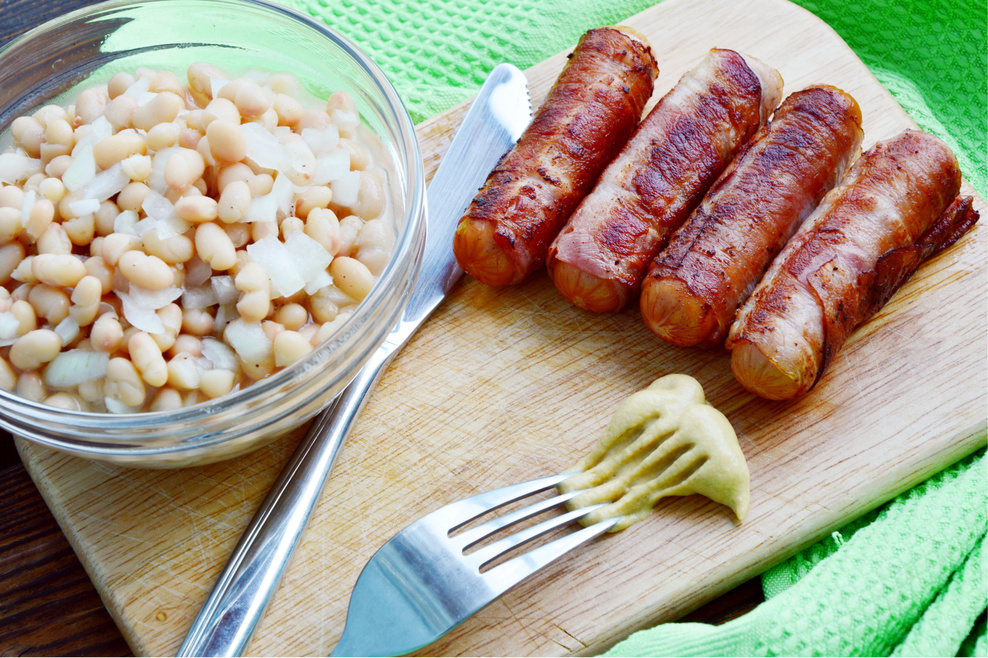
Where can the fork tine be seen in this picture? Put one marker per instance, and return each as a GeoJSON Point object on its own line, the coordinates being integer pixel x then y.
{"type": "Point", "coordinates": [505, 576]}
{"type": "Point", "coordinates": [484, 555]}
{"type": "Point", "coordinates": [456, 514]}
{"type": "Point", "coordinates": [472, 536]}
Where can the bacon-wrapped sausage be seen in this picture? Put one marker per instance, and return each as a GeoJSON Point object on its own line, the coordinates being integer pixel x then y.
{"type": "Point", "coordinates": [590, 112]}
{"type": "Point", "coordinates": [600, 257]}
{"type": "Point", "coordinates": [694, 287]}
{"type": "Point", "coordinates": [895, 208]}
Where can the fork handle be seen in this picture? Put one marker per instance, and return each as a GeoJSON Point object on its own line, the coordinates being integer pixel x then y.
{"type": "Point", "coordinates": [228, 618]}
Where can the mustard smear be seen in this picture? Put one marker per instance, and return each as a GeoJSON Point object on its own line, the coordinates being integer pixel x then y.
{"type": "Point", "coordinates": [663, 441]}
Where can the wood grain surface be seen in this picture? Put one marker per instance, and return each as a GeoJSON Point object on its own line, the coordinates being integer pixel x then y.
{"type": "Point", "coordinates": [503, 385]}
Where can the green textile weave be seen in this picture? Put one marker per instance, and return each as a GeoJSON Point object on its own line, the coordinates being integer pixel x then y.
{"type": "Point", "coordinates": [907, 579]}
{"type": "Point", "coordinates": [932, 56]}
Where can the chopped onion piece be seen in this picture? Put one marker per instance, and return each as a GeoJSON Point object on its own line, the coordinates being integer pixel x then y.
{"type": "Point", "coordinates": [226, 291]}
{"type": "Point", "coordinates": [140, 91]}
{"type": "Point", "coordinates": [318, 282]}
{"type": "Point", "coordinates": [75, 367]}
{"type": "Point", "coordinates": [262, 208]}
{"type": "Point", "coordinates": [225, 314]}
{"type": "Point", "coordinates": [199, 297]}
{"type": "Point", "coordinates": [106, 183]}
{"type": "Point", "coordinates": [331, 166]}
{"type": "Point", "coordinates": [81, 170]}
{"type": "Point", "coordinates": [144, 319]}
{"type": "Point", "coordinates": [278, 262]}
{"type": "Point", "coordinates": [283, 193]}
{"type": "Point", "coordinates": [300, 163]}
{"type": "Point", "coordinates": [84, 207]}
{"type": "Point", "coordinates": [219, 354]}
{"type": "Point", "coordinates": [248, 340]}
{"type": "Point", "coordinates": [140, 304]}
{"type": "Point", "coordinates": [309, 257]}
{"type": "Point", "coordinates": [215, 84]}
{"type": "Point", "coordinates": [157, 206]}
{"type": "Point", "coordinates": [27, 205]}
{"type": "Point", "coordinates": [67, 330]}
{"type": "Point", "coordinates": [322, 141]}
{"type": "Point", "coordinates": [153, 299]}
{"type": "Point", "coordinates": [346, 189]}
{"type": "Point", "coordinates": [263, 148]}
{"type": "Point", "coordinates": [126, 222]}
{"type": "Point", "coordinates": [197, 272]}
{"type": "Point", "coordinates": [156, 180]}
{"type": "Point", "coordinates": [348, 120]}
{"type": "Point", "coordinates": [16, 168]}
{"type": "Point", "coordinates": [161, 217]}
{"type": "Point", "coordinates": [8, 326]}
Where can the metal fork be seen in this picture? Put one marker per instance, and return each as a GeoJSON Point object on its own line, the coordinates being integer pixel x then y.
{"type": "Point", "coordinates": [422, 583]}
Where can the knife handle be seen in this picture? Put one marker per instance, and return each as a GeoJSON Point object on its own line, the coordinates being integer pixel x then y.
{"type": "Point", "coordinates": [238, 600]}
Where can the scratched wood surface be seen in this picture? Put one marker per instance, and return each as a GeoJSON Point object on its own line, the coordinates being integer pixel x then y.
{"type": "Point", "coordinates": [504, 385]}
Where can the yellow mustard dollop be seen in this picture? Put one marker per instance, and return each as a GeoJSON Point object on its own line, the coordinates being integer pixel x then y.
{"type": "Point", "coordinates": [663, 441]}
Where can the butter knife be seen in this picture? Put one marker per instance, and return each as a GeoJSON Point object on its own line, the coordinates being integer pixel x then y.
{"type": "Point", "coordinates": [238, 600]}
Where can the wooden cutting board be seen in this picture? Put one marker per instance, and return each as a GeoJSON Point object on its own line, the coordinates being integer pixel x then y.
{"type": "Point", "coordinates": [504, 385]}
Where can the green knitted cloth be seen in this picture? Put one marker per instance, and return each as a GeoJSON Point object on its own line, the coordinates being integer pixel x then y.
{"type": "Point", "coordinates": [907, 579]}
{"type": "Point", "coordinates": [930, 55]}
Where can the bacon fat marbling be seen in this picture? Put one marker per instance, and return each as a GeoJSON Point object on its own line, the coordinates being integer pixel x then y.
{"type": "Point", "coordinates": [589, 114]}
{"type": "Point", "coordinates": [601, 255]}
{"type": "Point", "coordinates": [896, 207]}
{"type": "Point", "coordinates": [693, 288]}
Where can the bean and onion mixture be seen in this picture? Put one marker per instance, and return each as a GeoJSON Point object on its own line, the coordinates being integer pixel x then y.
{"type": "Point", "coordinates": [163, 243]}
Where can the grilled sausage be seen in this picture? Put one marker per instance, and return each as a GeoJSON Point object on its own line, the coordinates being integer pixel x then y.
{"type": "Point", "coordinates": [694, 287]}
{"type": "Point", "coordinates": [600, 257]}
{"type": "Point", "coordinates": [590, 112]}
{"type": "Point", "coordinates": [895, 208]}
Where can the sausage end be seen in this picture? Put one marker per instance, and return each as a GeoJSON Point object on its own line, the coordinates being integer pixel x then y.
{"type": "Point", "coordinates": [760, 375]}
{"type": "Point", "coordinates": [586, 290]}
{"type": "Point", "coordinates": [479, 255]}
{"type": "Point", "coordinates": [676, 315]}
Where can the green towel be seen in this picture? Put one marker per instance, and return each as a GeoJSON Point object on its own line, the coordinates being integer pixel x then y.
{"type": "Point", "coordinates": [932, 56]}
{"type": "Point", "coordinates": [907, 579]}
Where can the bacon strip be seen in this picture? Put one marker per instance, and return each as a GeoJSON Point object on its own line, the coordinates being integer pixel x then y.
{"type": "Point", "coordinates": [694, 287]}
{"type": "Point", "coordinates": [589, 114]}
{"type": "Point", "coordinates": [895, 208]}
{"type": "Point", "coordinates": [600, 257]}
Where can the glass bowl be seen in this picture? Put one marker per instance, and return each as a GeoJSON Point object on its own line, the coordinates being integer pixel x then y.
{"type": "Point", "coordinates": [92, 44]}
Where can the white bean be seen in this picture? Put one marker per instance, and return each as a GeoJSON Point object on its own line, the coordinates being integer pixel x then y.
{"type": "Point", "coordinates": [183, 168]}
{"type": "Point", "coordinates": [226, 141]}
{"type": "Point", "coordinates": [58, 269]}
{"type": "Point", "coordinates": [148, 272]}
{"type": "Point", "coordinates": [215, 247]}
{"type": "Point", "coordinates": [217, 382]}
{"type": "Point", "coordinates": [11, 255]}
{"type": "Point", "coordinates": [8, 377]}
{"type": "Point", "coordinates": [146, 357]}
{"type": "Point", "coordinates": [351, 276]}
{"type": "Point", "coordinates": [289, 347]}
{"type": "Point", "coordinates": [255, 300]}
{"type": "Point", "coordinates": [49, 303]}
{"type": "Point", "coordinates": [123, 383]}
{"type": "Point", "coordinates": [107, 334]}
{"type": "Point", "coordinates": [34, 349]}
{"type": "Point", "coordinates": [85, 300]}
{"type": "Point", "coordinates": [163, 108]}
